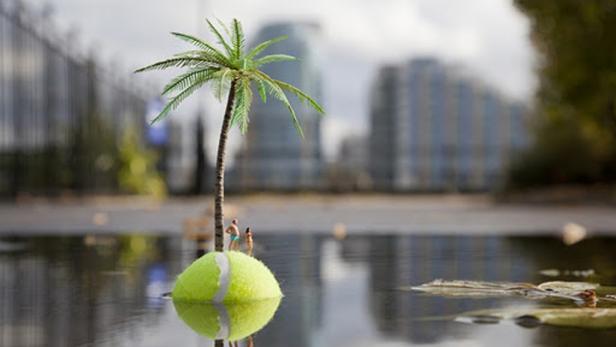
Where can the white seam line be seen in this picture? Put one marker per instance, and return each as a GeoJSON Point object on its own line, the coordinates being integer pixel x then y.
{"type": "Point", "coordinates": [223, 320]}
{"type": "Point", "coordinates": [225, 271]}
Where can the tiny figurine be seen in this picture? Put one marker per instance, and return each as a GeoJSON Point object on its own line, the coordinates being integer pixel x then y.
{"type": "Point", "coordinates": [234, 231]}
{"type": "Point", "coordinates": [249, 243]}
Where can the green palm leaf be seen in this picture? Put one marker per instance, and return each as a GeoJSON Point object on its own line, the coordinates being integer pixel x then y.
{"type": "Point", "coordinates": [220, 38]}
{"type": "Point", "coordinates": [262, 90]}
{"type": "Point", "coordinates": [222, 83]}
{"type": "Point", "coordinates": [263, 46]}
{"type": "Point", "coordinates": [302, 96]}
{"type": "Point", "coordinates": [272, 58]}
{"type": "Point", "coordinates": [205, 47]}
{"type": "Point", "coordinates": [185, 80]}
{"type": "Point", "coordinates": [176, 62]}
{"type": "Point", "coordinates": [277, 92]}
{"type": "Point", "coordinates": [177, 100]}
{"type": "Point", "coordinates": [243, 99]}
{"type": "Point", "coordinates": [238, 38]}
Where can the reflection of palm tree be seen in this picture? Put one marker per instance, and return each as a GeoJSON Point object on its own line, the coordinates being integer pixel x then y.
{"type": "Point", "coordinates": [221, 343]}
{"type": "Point", "coordinates": [235, 70]}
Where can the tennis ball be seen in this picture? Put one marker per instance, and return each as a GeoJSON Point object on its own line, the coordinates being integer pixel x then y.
{"type": "Point", "coordinates": [229, 277]}
{"type": "Point", "coordinates": [232, 321]}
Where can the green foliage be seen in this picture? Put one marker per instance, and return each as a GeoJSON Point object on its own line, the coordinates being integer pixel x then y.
{"type": "Point", "coordinates": [219, 67]}
{"type": "Point", "coordinates": [138, 174]}
{"type": "Point", "coordinates": [576, 102]}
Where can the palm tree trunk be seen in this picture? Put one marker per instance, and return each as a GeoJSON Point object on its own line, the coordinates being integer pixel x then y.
{"type": "Point", "coordinates": [220, 171]}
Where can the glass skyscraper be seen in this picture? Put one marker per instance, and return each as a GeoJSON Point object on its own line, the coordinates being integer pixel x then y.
{"type": "Point", "coordinates": [436, 130]}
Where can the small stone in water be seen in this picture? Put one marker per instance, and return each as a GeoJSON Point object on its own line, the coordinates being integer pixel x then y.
{"type": "Point", "coordinates": [527, 321]}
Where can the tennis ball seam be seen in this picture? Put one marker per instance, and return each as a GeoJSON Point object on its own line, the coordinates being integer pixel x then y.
{"type": "Point", "coordinates": [224, 278]}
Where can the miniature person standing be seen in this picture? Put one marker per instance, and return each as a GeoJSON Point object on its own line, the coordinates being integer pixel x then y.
{"type": "Point", "coordinates": [249, 243]}
{"type": "Point", "coordinates": [234, 231]}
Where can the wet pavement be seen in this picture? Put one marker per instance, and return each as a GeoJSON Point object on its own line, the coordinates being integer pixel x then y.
{"type": "Point", "coordinates": [370, 214]}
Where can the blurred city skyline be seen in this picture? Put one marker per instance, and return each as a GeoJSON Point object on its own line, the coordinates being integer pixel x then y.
{"type": "Point", "coordinates": [489, 39]}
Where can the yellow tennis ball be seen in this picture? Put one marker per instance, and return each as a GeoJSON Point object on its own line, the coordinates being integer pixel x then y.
{"type": "Point", "coordinates": [230, 322]}
{"type": "Point", "coordinates": [229, 277]}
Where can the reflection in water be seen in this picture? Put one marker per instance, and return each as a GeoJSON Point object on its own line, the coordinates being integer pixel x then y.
{"type": "Point", "coordinates": [231, 322]}
{"type": "Point", "coordinates": [72, 291]}
{"type": "Point", "coordinates": [226, 321]}
{"type": "Point", "coordinates": [105, 291]}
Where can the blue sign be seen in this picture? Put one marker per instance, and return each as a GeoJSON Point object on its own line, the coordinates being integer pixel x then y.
{"type": "Point", "coordinates": [157, 133]}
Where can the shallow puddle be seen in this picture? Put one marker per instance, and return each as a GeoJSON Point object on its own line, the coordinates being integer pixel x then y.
{"type": "Point", "coordinates": [108, 290]}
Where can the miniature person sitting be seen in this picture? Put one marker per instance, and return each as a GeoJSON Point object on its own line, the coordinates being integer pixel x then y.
{"type": "Point", "coordinates": [249, 243]}
{"type": "Point", "coordinates": [234, 231]}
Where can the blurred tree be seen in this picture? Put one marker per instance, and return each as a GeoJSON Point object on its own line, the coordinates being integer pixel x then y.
{"type": "Point", "coordinates": [137, 172]}
{"type": "Point", "coordinates": [232, 69]}
{"type": "Point", "coordinates": [576, 101]}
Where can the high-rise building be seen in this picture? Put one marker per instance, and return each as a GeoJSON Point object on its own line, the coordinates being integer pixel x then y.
{"type": "Point", "coordinates": [436, 130]}
{"type": "Point", "coordinates": [273, 156]}
{"type": "Point", "coordinates": [382, 127]}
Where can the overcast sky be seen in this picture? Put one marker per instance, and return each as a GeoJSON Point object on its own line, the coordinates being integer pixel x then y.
{"type": "Point", "coordinates": [488, 38]}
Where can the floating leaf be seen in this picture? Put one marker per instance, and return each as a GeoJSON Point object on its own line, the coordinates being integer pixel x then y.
{"type": "Point", "coordinates": [582, 293]}
{"type": "Point", "coordinates": [565, 287]}
{"type": "Point", "coordinates": [471, 288]}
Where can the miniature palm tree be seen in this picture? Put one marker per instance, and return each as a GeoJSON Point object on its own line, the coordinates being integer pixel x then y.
{"type": "Point", "coordinates": [236, 70]}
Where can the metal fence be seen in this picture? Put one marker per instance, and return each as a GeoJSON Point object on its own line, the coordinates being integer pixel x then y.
{"type": "Point", "coordinates": [61, 114]}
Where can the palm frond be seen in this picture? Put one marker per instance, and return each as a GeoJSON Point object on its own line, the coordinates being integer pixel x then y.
{"type": "Point", "coordinates": [206, 57]}
{"type": "Point", "coordinates": [222, 83]}
{"type": "Point", "coordinates": [237, 34]}
{"type": "Point", "coordinates": [219, 65]}
{"type": "Point", "coordinates": [220, 38]}
{"type": "Point", "coordinates": [264, 45]}
{"type": "Point", "coordinates": [273, 58]}
{"type": "Point", "coordinates": [224, 27]}
{"type": "Point", "coordinates": [243, 101]}
{"type": "Point", "coordinates": [204, 46]}
{"type": "Point", "coordinates": [177, 100]}
{"type": "Point", "coordinates": [276, 91]}
{"type": "Point", "coordinates": [183, 81]}
{"type": "Point", "coordinates": [262, 90]}
{"type": "Point", "coordinates": [301, 95]}
{"type": "Point", "coordinates": [176, 62]}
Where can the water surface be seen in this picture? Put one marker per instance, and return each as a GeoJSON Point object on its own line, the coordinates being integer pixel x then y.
{"type": "Point", "coordinates": [106, 290]}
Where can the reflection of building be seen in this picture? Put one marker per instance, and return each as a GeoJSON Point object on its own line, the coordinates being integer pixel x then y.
{"type": "Point", "coordinates": [396, 261]}
{"type": "Point", "coordinates": [299, 314]}
{"type": "Point", "coordinates": [274, 156]}
{"type": "Point", "coordinates": [435, 130]}
{"type": "Point", "coordinates": [399, 261]}
{"type": "Point", "coordinates": [78, 291]}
